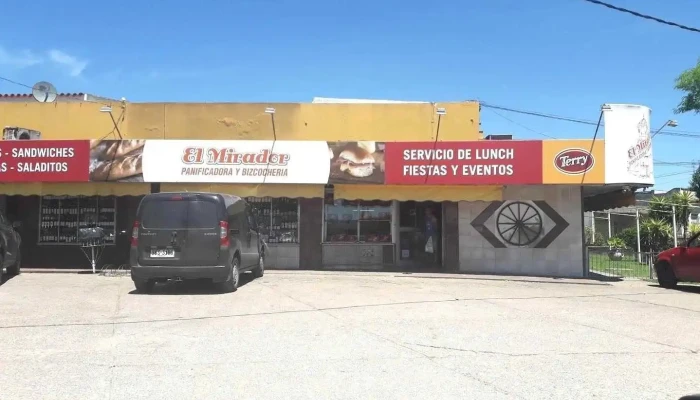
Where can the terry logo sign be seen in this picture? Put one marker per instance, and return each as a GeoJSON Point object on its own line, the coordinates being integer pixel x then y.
{"type": "Point", "coordinates": [574, 161]}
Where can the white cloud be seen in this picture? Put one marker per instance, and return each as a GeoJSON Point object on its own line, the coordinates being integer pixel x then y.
{"type": "Point", "coordinates": [19, 59]}
{"type": "Point", "coordinates": [74, 65]}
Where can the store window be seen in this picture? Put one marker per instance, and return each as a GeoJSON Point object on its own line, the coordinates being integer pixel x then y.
{"type": "Point", "coordinates": [277, 219]}
{"type": "Point", "coordinates": [358, 221]}
{"type": "Point", "coordinates": [60, 217]}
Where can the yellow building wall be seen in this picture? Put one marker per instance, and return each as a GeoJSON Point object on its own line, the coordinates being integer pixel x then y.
{"type": "Point", "coordinates": [237, 121]}
{"type": "Point", "coordinates": [60, 120]}
{"type": "Point", "coordinates": [293, 121]}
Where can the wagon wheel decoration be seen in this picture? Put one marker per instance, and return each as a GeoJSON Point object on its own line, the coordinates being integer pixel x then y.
{"type": "Point", "coordinates": [519, 224]}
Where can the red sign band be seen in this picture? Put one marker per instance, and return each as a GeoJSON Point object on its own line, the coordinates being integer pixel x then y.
{"type": "Point", "coordinates": [44, 160]}
{"type": "Point", "coordinates": [464, 163]}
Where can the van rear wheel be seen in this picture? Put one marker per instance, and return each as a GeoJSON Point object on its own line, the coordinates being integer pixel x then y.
{"type": "Point", "coordinates": [144, 286]}
{"type": "Point", "coordinates": [259, 271]}
{"type": "Point", "coordinates": [16, 267]}
{"type": "Point", "coordinates": [234, 276]}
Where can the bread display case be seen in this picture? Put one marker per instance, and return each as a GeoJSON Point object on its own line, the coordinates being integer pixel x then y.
{"type": "Point", "coordinates": [358, 222]}
{"type": "Point", "coordinates": [60, 218]}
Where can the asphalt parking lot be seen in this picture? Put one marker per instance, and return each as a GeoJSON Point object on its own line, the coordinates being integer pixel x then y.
{"type": "Point", "coordinates": [315, 335]}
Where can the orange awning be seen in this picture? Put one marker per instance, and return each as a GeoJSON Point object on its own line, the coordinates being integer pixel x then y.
{"type": "Point", "coordinates": [418, 193]}
{"type": "Point", "coordinates": [248, 190]}
{"type": "Point", "coordinates": [350, 192]}
{"type": "Point", "coordinates": [75, 189]}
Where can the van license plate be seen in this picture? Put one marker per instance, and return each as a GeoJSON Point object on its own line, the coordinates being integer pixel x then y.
{"type": "Point", "coordinates": [162, 253]}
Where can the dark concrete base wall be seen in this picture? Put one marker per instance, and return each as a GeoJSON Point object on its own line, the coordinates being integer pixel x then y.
{"type": "Point", "coordinates": [26, 210]}
{"type": "Point", "coordinates": [311, 229]}
{"type": "Point", "coordinates": [450, 227]}
{"type": "Point", "coordinates": [310, 250]}
{"type": "Point", "coordinates": [358, 255]}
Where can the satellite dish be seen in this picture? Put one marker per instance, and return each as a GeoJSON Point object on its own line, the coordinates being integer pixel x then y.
{"type": "Point", "coordinates": [44, 92]}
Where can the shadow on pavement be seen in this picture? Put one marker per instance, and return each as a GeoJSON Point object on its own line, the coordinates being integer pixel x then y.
{"type": "Point", "coordinates": [603, 278]}
{"type": "Point", "coordinates": [5, 278]}
{"type": "Point", "coordinates": [518, 278]}
{"type": "Point", "coordinates": [193, 287]}
{"type": "Point", "coordinates": [455, 275]}
{"type": "Point", "coordinates": [683, 288]}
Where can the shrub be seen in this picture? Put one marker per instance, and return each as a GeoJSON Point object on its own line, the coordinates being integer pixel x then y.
{"type": "Point", "coordinates": [654, 235]}
{"type": "Point", "coordinates": [628, 237]}
{"type": "Point", "coordinates": [661, 209]}
{"type": "Point", "coordinates": [594, 240]}
{"type": "Point", "coordinates": [616, 243]}
{"type": "Point", "coordinates": [693, 229]}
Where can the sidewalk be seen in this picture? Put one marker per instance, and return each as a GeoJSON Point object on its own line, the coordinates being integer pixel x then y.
{"type": "Point", "coordinates": [349, 273]}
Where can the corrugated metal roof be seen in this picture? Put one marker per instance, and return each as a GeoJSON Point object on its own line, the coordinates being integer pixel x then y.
{"type": "Point", "coordinates": [29, 95]}
{"type": "Point", "coordinates": [334, 100]}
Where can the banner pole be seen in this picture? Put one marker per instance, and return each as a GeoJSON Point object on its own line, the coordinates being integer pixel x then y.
{"type": "Point", "coordinates": [595, 135]}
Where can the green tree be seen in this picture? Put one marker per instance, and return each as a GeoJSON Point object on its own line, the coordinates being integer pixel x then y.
{"type": "Point", "coordinates": [683, 200]}
{"type": "Point", "coordinates": [693, 229]}
{"type": "Point", "coordinates": [689, 82]}
{"type": "Point", "coordinates": [660, 208]}
{"type": "Point", "coordinates": [655, 235]}
{"type": "Point", "coordinates": [663, 208]}
{"type": "Point", "coordinates": [694, 183]}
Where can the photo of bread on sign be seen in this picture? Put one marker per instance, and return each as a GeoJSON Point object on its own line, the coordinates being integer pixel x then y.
{"type": "Point", "coordinates": [116, 160]}
{"type": "Point", "coordinates": [356, 162]}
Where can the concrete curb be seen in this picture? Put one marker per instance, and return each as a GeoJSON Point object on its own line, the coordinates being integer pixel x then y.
{"type": "Point", "coordinates": [414, 275]}
{"type": "Point", "coordinates": [57, 271]}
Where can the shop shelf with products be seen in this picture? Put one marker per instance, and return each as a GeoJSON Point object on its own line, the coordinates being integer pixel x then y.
{"type": "Point", "coordinates": [284, 226]}
{"type": "Point", "coordinates": [61, 217]}
{"type": "Point", "coordinates": [261, 207]}
{"type": "Point", "coordinates": [49, 219]}
{"type": "Point", "coordinates": [278, 218]}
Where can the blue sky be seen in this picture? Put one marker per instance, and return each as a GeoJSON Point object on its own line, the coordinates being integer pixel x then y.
{"type": "Point", "coordinates": [564, 57]}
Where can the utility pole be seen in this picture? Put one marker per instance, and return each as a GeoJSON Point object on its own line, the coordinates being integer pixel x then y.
{"type": "Point", "coordinates": [639, 241]}
{"type": "Point", "coordinates": [675, 232]}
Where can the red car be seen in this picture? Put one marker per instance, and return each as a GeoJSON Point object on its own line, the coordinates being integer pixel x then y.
{"type": "Point", "coordinates": [679, 264]}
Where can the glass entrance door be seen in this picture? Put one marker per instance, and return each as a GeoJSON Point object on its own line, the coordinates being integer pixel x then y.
{"type": "Point", "coordinates": [420, 239]}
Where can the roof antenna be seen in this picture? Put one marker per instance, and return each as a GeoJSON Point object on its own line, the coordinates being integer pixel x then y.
{"type": "Point", "coordinates": [271, 111]}
{"type": "Point", "coordinates": [44, 92]}
{"type": "Point", "coordinates": [108, 109]}
{"type": "Point", "coordinates": [440, 111]}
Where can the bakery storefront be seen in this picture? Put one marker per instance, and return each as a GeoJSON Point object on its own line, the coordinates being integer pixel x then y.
{"type": "Point", "coordinates": [499, 206]}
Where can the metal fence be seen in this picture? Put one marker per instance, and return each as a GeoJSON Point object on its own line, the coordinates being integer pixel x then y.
{"type": "Point", "coordinates": [602, 261]}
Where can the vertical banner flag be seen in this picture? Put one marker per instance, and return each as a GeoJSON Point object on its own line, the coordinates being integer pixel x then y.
{"type": "Point", "coordinates": [628, 156]}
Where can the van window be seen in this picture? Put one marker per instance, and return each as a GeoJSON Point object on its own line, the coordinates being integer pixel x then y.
{"type": "Point", "coordinates": [179, 214]}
